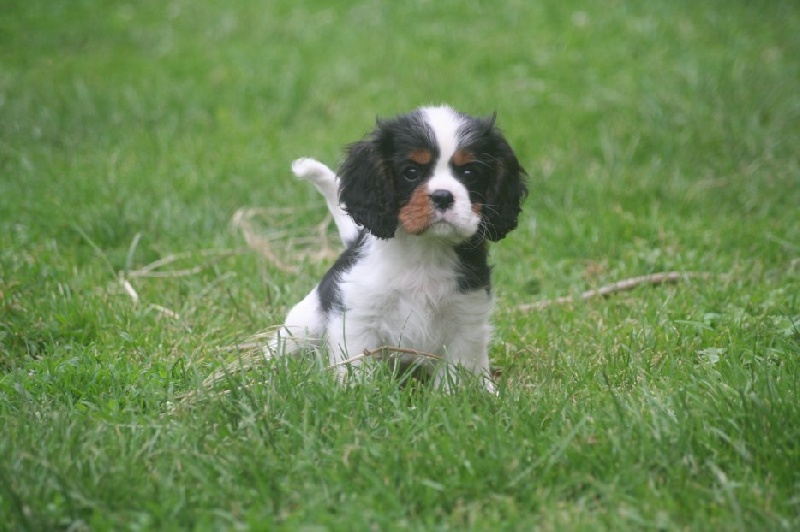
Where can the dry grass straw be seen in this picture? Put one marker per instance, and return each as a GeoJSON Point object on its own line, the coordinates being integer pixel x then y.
{"type": "Point", "coordinates": [263, 231]}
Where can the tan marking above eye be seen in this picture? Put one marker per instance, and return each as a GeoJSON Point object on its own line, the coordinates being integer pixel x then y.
{"type": "Point", "coordinates": [462, 157]}
{"type": "Point", "coordinates": [421, 156]}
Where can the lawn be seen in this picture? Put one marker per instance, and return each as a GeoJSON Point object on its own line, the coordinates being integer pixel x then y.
{"type": "Point", "coordinates": [658, 136]}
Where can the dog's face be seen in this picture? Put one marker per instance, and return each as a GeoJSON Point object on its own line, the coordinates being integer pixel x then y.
{"type": "Point", "coordinates": [434, 172]}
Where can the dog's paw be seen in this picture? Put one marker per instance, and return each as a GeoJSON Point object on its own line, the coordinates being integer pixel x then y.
{"type": "Point", "coordinates": [313, 170]}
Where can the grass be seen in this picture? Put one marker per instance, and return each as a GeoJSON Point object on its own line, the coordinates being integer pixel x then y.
{"type": "Point", "coordinates": [658, 136]}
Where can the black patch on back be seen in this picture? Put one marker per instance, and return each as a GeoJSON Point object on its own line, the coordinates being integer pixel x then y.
{"type": "Point", "coordinates": [330, 296]}
{"type": "Point", "coordinates": [474, 270]}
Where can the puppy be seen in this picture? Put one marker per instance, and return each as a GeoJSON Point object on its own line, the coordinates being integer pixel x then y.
{"type": "Point", "coordinates": [416, 204]}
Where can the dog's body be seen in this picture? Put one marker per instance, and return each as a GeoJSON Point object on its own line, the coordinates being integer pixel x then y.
{"type": "Point", "coordinates": [415, 204]}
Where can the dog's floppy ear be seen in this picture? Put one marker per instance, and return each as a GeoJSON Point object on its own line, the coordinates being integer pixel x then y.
{"type": "Point", "coordinates": [367, 187]}
{"type": "Point", "coordinates": [507, 190]}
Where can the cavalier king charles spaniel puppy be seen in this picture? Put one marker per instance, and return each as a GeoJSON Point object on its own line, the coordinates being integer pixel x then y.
{"type": "Point", "coordinates": [416, 204]}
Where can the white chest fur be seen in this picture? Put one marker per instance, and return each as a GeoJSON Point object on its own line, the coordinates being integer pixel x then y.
{"type": "Point", "coordinates": [405, 293]}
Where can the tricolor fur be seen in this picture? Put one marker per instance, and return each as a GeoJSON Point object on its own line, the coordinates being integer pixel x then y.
{"type": "Point", "coordinates": [415, 203]}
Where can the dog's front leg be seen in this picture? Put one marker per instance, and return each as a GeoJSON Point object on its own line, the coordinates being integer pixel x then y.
{"type": "Point", "coordinates": [468, 349]}
{"type": "Point", "coordinates": [347, 343]}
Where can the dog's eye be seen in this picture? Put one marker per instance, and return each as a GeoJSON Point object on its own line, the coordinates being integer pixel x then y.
{"type": "Point", "coordinates": [411, 173]}
{"type": "Point", "coordinates": [469, 172]}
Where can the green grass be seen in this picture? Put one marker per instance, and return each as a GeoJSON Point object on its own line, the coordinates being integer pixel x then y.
{"type": "Point", "coordinates": [658, 136]}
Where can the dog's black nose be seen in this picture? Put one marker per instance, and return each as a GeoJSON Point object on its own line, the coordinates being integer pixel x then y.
{"type": "Point", "coordinates": [442, 199]}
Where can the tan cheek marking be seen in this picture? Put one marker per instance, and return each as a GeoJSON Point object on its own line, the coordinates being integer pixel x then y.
{"type": "Point", "coordinates": [462, 157]}
{"type": "Point", "coordinates": [477, 208]}
{"type": "Point", "coordinates": [421, 157]}
{"type": "Point", "coordinates": [415, 216]}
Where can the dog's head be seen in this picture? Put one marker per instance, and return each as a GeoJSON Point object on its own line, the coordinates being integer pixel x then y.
{"type": "Point", "coordinates": [435, 172]}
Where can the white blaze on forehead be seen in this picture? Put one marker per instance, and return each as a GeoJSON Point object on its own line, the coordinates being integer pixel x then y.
{"type": "Point", "coordinates": [445, 123]}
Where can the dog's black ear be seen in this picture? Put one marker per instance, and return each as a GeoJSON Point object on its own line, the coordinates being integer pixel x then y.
{"type": "Point", "coordinates": [367, 188]}
{"type": "Point", "coordinates": [507, 190]}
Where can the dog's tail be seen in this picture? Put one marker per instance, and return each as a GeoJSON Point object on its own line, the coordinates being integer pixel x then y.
{"type": "Point", "coordinates": [328, 185]}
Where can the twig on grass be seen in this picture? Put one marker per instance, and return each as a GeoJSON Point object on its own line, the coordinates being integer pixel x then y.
{"type": "Point", "coordinates": [253, 353]}
{"type": "Point", "coordinates": [378, 352]}
{"type": "Point", "coordinates": [619, 286]}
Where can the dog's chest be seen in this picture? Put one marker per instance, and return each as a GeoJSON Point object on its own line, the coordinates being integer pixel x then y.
{"type": "Point", "coordinates": [414, 302]}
